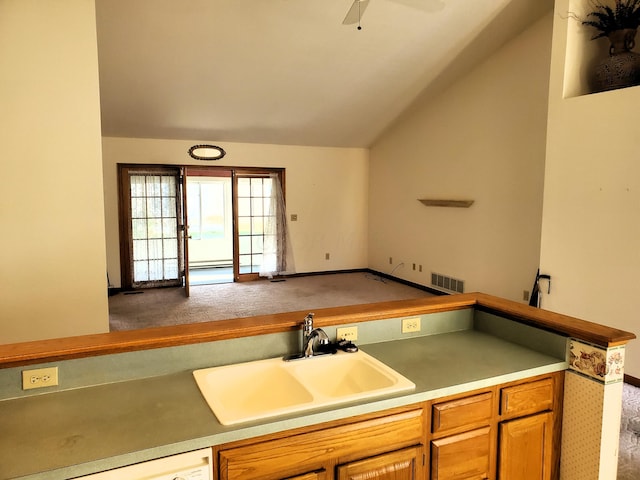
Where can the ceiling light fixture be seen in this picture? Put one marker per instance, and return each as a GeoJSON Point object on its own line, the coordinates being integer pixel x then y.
{"type": "Point", "coordinates": [206, 152]}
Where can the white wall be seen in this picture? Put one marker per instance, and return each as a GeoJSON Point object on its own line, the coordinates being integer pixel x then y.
{"type": "Point", "coordinates": [591, 216]}
{"type": "Point", "coordinates": [482, 139]}
{"type": "Point", "coordinates": [52, 251]}
{"type": "Point", "coordinates": [326, 187]}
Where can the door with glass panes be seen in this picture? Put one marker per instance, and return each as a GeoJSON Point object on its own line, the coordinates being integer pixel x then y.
{"type": "Point", "coordinates": [153, 229]}
{"type": "Point", "coordinates": [154, 223]}
{"type": "Point", "coordinates": [252, 201]}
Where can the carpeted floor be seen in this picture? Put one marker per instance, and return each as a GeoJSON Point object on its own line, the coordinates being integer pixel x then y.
{"type": "Point", "coordinates": [629, 454]}
{"type": "Point", "coordinates": [169, 306]}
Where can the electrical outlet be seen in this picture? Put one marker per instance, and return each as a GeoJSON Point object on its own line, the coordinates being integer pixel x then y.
{"type": "Point", "coordinates": [327, 256]}
{"type": "Point", "coordinates": [347, 333]}
{"type": "Point", "coordinates": [411, 325]}
{"type": "Point", "coordinates": [390, 260]}
{"type": "Point", "coordinates": [419, 268]}
{"type": "Point", "coordinates": [525, 295]}
{"type": "Point", "coordinates": [39, 377]}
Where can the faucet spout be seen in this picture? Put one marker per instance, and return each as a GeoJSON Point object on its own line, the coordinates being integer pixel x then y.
{"type": "Point", "coordinates": [317, 334]}
{"type": "Point", "coordinates": [310, 334]}
{"type": "Point", "coordinates": [311, 338]}
{"type": "Point", "coordinates": [307, 325]}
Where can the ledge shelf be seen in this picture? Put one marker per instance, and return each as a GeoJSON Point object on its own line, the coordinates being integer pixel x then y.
{"type": "Point", "coordinates": [438, 202]}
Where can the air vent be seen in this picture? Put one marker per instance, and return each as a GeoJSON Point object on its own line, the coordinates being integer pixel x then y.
{"type": "Point", "coordinates": [447, 283]}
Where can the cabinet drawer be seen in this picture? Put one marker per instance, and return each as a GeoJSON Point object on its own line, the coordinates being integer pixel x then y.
{"type": "Point", "coordinates": [527, 398]}
{"type": "Point", "coordinates": [463, 412]}
{"type": "Point", "coordinates": [462, 456]}
{"type": "Point", "coordinates": [287, 457]}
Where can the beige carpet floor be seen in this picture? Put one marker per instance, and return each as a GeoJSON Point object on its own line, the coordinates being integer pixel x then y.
{"type": "Point", "coordinates": [169, 306]}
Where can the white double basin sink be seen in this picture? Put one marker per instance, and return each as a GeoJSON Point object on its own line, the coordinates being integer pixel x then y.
{"type": "Point", "coordinates": [262, 389]}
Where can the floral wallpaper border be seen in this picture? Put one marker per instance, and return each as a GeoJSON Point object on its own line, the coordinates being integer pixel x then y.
{"type": "Point", "coordinates": [603, 364]}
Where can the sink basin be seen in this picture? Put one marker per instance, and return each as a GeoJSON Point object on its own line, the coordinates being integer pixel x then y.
{"type": "Point", "coordinates": [346, 375]}
{"type": "Point", "coordinates": [245, 390]}
{"type": "Point", "coordinates": [266, 388]}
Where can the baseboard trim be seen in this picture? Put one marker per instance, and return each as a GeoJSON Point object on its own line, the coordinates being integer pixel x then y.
{"type": "Point", "coordinates": [372, 272]}
{"type": "Point", "coordinates": [632, 380]}
{"type": "Point", "coordinates": [311, 274]}
{"type": "Point", "coordinates": [323, 272]}
{"type": "Point", "coordinates": [406, 282]}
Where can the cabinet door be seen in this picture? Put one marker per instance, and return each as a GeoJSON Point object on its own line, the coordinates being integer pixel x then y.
{"type": "Point", "coordinates": [465, 456]}
{"type": "Point", "coordinates": [525, 448]}
{"type": "Point", "coordinates": [403, 464]}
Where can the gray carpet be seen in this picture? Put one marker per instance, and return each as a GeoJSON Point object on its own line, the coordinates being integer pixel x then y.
{"type": "Point", "coordinates": [169, 306]}
{"type": "Point", "coordinates": [629, 455]}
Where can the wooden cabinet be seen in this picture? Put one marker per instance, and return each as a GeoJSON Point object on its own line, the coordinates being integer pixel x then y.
{"type": "Point", "coordinates": [526, 448]}
{"type": "Point", "coordinates": [403, 464]}
{"type": "Point", "coordinates": [462, 437]}
{"type": "Point", "coordinates": [389, 446]}
{"type": "Point", "coordinates": [462, 456]}
{"type": "Point", "coordinates": [526, 398]}
{"type": "Point", "coordinates": [529, 431]}
{"type": "Point", "coordinates": [505, 432]}
{"type": "Point", "coordinates": [462, 413]}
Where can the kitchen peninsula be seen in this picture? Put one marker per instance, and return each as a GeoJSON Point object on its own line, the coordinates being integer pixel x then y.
{"type": "Point", "coordinates": [129, 397]}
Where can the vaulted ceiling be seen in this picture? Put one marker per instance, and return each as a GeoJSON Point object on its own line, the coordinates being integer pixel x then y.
{"type": "Point", "coordinates": [287, 71]}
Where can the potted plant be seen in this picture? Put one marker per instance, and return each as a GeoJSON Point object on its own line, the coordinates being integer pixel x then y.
{"type": "Point", "coordinates": [619, 23]}
{"type": "Point", "coordinates": [625, 15]}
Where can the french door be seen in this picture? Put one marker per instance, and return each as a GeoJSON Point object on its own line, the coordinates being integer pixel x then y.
{"type": "Point", "coordinates": [154, 225]}
{"type": "Point", "coordinates": [254, 216]}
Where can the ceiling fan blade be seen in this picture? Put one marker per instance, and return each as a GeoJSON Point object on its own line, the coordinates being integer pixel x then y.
{"type": "Point", "coordinates": [355, 12]}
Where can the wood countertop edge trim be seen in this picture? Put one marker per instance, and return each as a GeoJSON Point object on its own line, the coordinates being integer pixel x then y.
{"type": "Point", "coordinates": [590, 332]}
{"type": "Point", "coordinates": [27, 353]}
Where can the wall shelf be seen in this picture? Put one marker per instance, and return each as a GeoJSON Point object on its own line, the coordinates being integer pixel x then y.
{"type": "Point", "coordinates": [437, 202]}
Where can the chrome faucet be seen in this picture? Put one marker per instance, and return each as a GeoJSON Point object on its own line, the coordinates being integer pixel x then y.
{"type": "Point", "coordinates": [311, 336]}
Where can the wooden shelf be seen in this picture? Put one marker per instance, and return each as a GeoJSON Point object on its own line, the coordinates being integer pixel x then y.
{"type": "Point", "coordinates": [436, 202]}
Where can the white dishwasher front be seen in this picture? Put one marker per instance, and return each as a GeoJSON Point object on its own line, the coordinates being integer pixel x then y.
{"type": "Point", "coordinates": [195, 465]}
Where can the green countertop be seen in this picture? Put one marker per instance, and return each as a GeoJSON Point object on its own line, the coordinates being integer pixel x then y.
{"type": "Point", "coordinates": [76, 432]}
